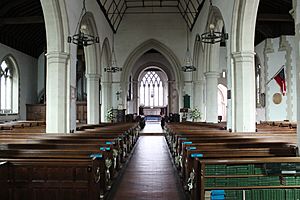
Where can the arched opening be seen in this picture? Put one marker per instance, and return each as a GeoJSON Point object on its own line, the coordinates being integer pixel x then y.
{"type": "Point", "coordinates": [215, 62]}
{"type": "Point", "coordinates": [152, 53]}
{"type": "Point", "coordinates": [222, 103]}
{"type": "Point", "coordinates": [106, 81]}
{"type": "Point", "coordinates": [198, 77]}
{"type": "Point", "coordinates": [80, 76]}
{"type": "Point", "coordinates": [81, 87]}
{"type": "Point", "coordinates": [9, 89]}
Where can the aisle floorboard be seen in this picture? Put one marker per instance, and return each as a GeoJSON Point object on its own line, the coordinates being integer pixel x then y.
{"type": "Point", "coordinates": [149, 173]}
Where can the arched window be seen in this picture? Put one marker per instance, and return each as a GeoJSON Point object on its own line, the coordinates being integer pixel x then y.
{"type": "Point", "coordinates": [9, 87]}
{"type": "Point", "coordinates": [151, 90]}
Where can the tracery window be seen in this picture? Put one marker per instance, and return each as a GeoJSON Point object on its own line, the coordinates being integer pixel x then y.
{"type": "Point", "coordinates": [151, 90]}
{"type": "Point", "coordinates": [6, 79]}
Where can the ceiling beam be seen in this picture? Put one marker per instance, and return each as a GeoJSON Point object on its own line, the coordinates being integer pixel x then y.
{"type": "Point", "coordinates": [4, 9]}
{"type": "Point", "coordinates": [274, 18]}
{"type": "Point", "coordinates": [22, 20]}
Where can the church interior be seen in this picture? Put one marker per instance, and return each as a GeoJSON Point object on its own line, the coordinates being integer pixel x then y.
{"type": "Point", "coordinates": [149, 99]}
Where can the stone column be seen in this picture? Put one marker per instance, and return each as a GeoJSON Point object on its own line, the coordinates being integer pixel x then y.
{"type": "Point", "coordinates": [57, 87]}
{"type": "Point", "coordinates": [212, 96]}
{"type": "Point", "coordinates": [93, 108]}
{"type": "Point", "coordinates": [244, 92]}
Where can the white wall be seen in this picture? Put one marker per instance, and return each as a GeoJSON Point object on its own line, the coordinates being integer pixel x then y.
{"type": "Point", "coordinates": [273, 54]}
{"type": "Point", "coordinates": [135, 29]}
{"type": "Point", "coordinates": [28, 77]}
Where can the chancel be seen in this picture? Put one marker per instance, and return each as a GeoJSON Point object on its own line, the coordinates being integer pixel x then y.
{"type": "Point", "coordinates": [134, 99]}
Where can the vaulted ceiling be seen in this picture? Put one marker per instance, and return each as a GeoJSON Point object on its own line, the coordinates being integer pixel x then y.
{"type": "Point", "coordinates": [22, 23]}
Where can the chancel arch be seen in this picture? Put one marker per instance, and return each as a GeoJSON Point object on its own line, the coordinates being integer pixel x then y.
{"type": "Point", "coordinates": [153, 53]}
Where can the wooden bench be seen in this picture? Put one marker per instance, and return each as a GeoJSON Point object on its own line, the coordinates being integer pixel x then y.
{"type": "Point", "coordinates": [191, 144]}
{"type": "Point", "coordinates": [253, 178]}
{"type": "Point", "coordinates": [26, 151]}
{"type": "Point", "coordinates": [57, 179]}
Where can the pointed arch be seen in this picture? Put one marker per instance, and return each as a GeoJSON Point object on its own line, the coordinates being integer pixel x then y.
{"type": "Point", "coordinates": [143, 48]}
{"type": "Point", "coordinates": [92, 52]}
{"type": "Point", "coordinates": [57, 25]}
{"type": "Point", "coordinates": [173, 70]}
{"type": "Point", "coordinates": [106, 78]}
{"type": "Point", "coordinates": [105, 59]}
{"type": "Point", "coordinates": [243, 25]}
{"type": "Point", "coordinates": [213, 50]}
{"type": "Point", "coordinates": [198, 58]}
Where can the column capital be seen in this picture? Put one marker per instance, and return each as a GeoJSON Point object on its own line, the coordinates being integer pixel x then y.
{"type": "Point", "coordinates": [243, 56]}
{"type": "Point", "coordinates": [57, 57]}
{"type": "Point", "coordinates": [93, 76]}
{"type": "Point", "coordinates": [212, 74]}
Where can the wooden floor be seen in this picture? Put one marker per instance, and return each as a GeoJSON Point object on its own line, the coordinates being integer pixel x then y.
{"type": "Point", "coordinates": [149, 173]}
{"type": "Point", "coordinates": [152, 128]}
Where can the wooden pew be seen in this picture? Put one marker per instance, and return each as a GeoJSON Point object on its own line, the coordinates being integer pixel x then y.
{"type": "Point", "coordinates": [27, 147]}
{"type": "Point", "coordinates": [187, 159]}
{"type": "Point", "coordinates": [256, 178]}
{"type": "Point", "coordinates": [189, 144]}
{"type": "Point", "coordinates": [56, 179]}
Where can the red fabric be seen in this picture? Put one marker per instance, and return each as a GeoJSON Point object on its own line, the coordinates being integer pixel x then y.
{"type": "Point", "coordinates": [280, 79]}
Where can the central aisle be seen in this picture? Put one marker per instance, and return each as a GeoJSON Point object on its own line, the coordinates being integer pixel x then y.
{"type": "Point", "coordinates": [150, 173]}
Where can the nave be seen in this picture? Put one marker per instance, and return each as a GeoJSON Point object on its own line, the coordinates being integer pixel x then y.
{"type": "Point", "coordinates": [150, 173]}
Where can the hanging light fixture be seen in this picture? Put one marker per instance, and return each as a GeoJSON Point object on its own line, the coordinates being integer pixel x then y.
{"type": "Point", "coordinates": [213, 36]}
{"type": "Point", "coordinates": [188, 66]}
{"type": "Point", "coordinates": [80, 38]}
{"type": "Point", "coordinates": [113, 63]}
